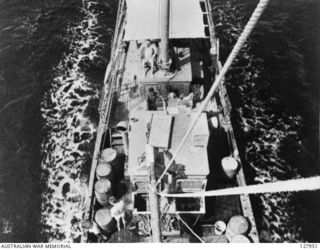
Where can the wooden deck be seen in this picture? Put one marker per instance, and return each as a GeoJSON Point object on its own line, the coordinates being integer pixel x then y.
{"type": "Point", "coordinates": [133, 67]}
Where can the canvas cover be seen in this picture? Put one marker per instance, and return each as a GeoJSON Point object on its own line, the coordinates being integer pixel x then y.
{"type": "Point", "coordinates": [143, 19]}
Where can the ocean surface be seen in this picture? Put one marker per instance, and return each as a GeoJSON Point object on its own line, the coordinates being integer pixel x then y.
{"type": "Point", "coordinates": [53, 55]}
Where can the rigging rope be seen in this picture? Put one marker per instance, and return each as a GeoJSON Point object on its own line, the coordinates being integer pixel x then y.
{"type": "Point", "coordinates": [243, 37]}
{"type": "Point", "coordinates": [304, 184]}
{"type": "Point", "coordinates": [197, 236]}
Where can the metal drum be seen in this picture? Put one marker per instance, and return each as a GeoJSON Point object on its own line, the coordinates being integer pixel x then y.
{"type": "Point", "coordinates": [122, 126]}
{"type": "Point", "coordinates": [104, 220]}
{"type": "Point", "coordinates": [214, 122]}
{"type": "Point", "coordinates": [240, 239]}
{"type": "Point", "coordinates": [219, 227]}
{"type": "Point", "coordinates": [237, 225]}
{"type": "Point", "coordinates": [109, 155]}
{"type": "Point", "coordinates": [103, 191]}
{"type": "Point", "coordinates": [230, 166]}
{"type": "Point", "coordinates": [104, 171]}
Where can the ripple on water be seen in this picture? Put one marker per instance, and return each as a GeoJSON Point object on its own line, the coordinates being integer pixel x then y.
{"type": "Point", "coordinates": [266, 133]}
{"type": "Point", "coordinates": [266, 127]}
{"type": "Point", "coordinates": [69, 130]}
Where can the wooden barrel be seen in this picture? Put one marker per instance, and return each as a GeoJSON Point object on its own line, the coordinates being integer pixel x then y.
{"type": "Point", "coordinates": [122, 126]}
{"type": "Point", "coordinates": [230, 166]}
{"type": "Point", "coordinates": [104, 220]}
{"type": "Point", "coordinates": [219, 227]}
{"type": "Point", "coordinates": [109, 155]}
{"type": "Point", "coordinates": [237, 225]}
{"type": "Point", "coordinates": [104, 171]}
{"type": "Point", "coordinates": [240, 239]}
{"type": "Point", "coordinates": [214, 122]}
{"type": "Point", "coordinates": [103, 191]}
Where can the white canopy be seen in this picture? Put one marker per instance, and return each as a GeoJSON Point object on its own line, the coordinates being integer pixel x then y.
{"type": "Point", "coordinates": [143, 19]}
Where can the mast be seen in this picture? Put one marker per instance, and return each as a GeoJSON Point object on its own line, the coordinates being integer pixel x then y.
{"type": "Point", "coordinates": [164, 32]}
{"type": "Point", "coordinates": [153, 197]}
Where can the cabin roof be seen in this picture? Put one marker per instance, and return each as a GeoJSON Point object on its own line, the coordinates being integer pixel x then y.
{"type": "Point", "coordinates": [195, 159]}
{"type": "Point", "coordinates": [143, 19]}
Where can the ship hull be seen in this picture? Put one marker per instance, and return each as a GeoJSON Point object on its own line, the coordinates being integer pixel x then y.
{"type": "Point", "coordinates": [119, 98]}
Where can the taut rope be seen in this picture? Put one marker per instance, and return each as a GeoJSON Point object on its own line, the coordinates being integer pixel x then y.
{"type": "Point", "coordinates": [190, 229]}
{"type": "Point", "coordinates": [304, 184]}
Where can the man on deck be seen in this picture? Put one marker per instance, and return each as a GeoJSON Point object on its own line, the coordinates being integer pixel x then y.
{"type": "Point", "coordinates": [152, 98]}
{"type": "Point", "coordinates": [148, 54]}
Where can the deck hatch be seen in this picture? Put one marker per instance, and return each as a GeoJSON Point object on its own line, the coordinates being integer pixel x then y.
{"type": "Point", "coordinates": [160, 131]}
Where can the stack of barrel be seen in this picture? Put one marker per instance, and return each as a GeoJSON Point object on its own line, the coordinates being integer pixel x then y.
{"type": "Point", "coordinates": [103, 188]}
{"type": "Point", "coordinates": [236, 230]}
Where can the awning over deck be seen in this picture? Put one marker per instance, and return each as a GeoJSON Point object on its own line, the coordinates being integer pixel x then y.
{"type": "Point", "coordinates": [143, 19]}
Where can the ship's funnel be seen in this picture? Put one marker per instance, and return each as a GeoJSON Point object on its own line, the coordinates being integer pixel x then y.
{"type": "Point", "coordinates": [164, 26]}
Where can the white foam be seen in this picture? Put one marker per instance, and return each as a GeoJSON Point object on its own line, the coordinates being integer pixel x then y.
{"type": "Point", "coordinates": [62, 161]}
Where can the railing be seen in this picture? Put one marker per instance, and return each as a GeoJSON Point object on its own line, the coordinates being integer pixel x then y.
{"type": "Point", "coordinates": [226, 108]}
{"type": "Point", "coordinates": [120, 16]}
{"type": "Point", "coordinates": [105, 107]}
{"type": "Point", "coordinates": [110, 69]}
{"type": "Point", "coordinates": [213, 39]}
{"type": "Point", "coordinates": [244, 198]}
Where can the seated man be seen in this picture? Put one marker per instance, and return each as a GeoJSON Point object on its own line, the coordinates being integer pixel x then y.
{"type": "Point", "coordinates": [187, 100]}
{"type": "Point", "coordinates": [133, 87]}
{"type": "Point", "coordinates": [171, 94]}
{"type": "Point", "coordinates": [152, 98]}
{"type": "Point", "coordinates": [165, 66]}
{"type": "Point", "coordinates": [149, 52]}
{"type": "Point", "coordinates": [198, 91]}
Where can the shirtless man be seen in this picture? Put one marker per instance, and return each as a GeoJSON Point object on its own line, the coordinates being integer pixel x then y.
{"type": "Point", "coordinates": [149, 51]}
